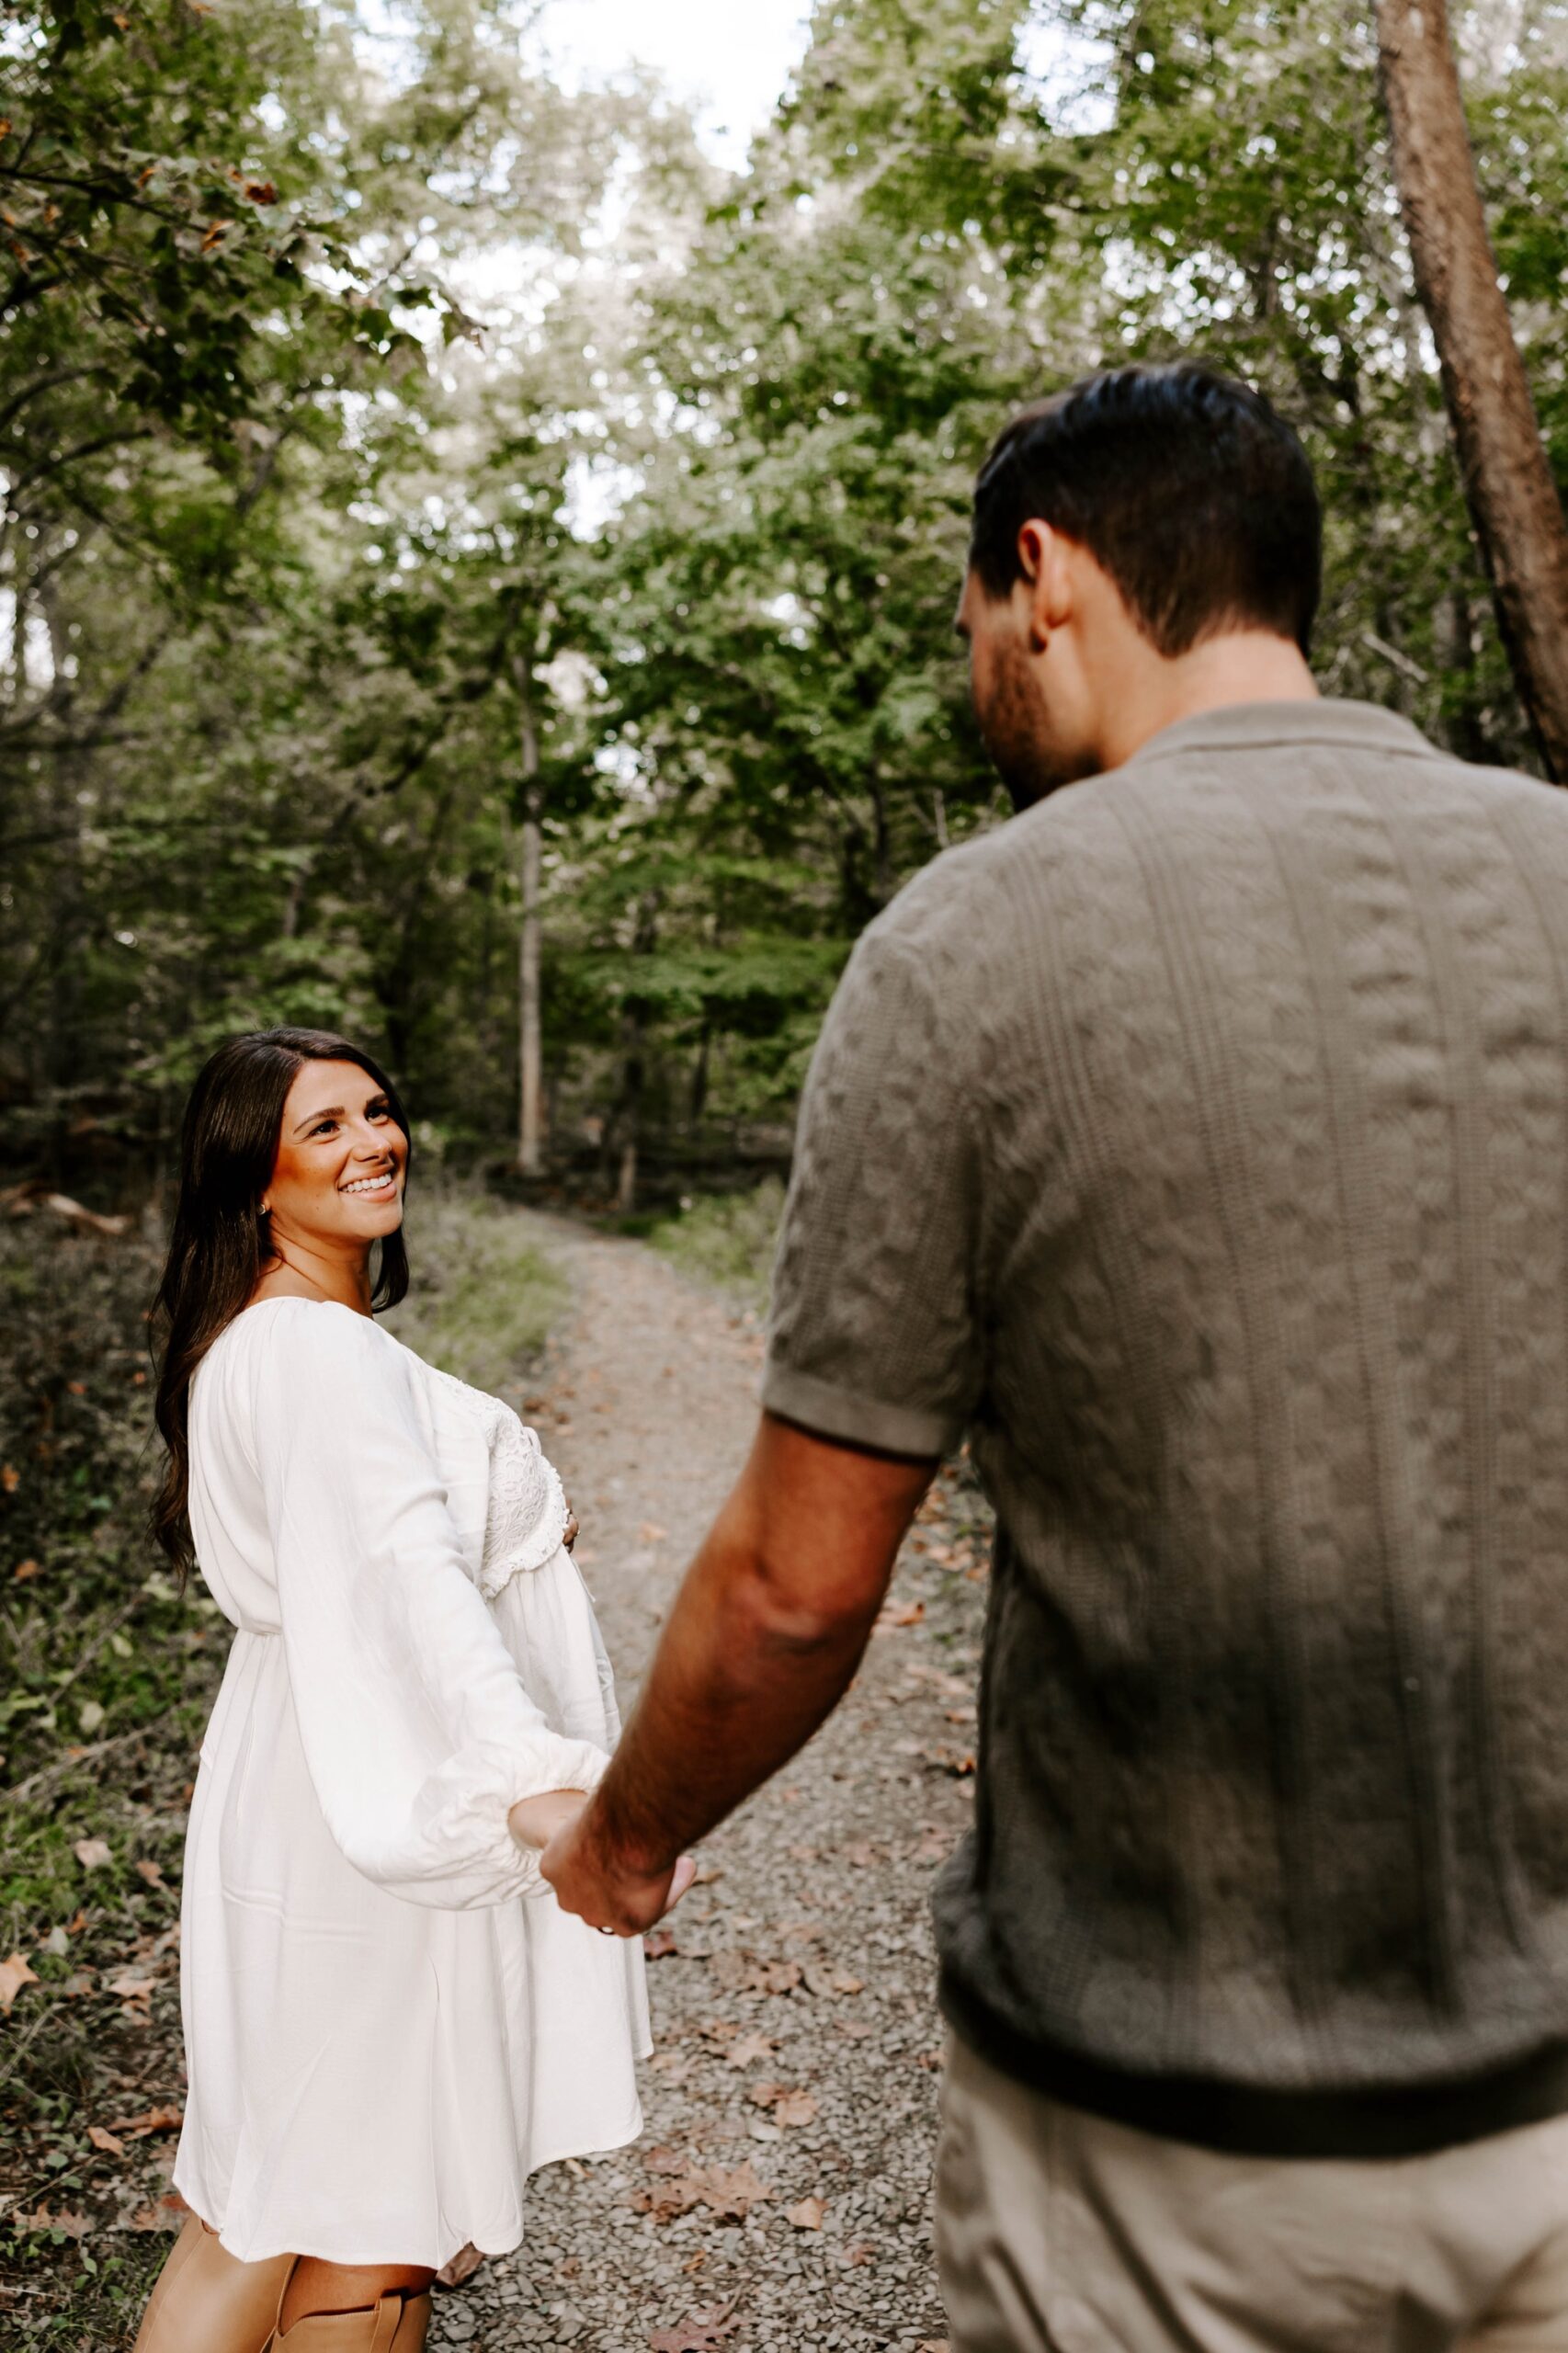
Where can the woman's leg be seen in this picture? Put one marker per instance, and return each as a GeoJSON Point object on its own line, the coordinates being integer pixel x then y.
{"type": "Point", "coordinates": [206, 2300]}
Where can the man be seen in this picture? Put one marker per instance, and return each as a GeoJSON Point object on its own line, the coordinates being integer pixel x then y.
{"type": "Point", "coordinates": [1198, 1141]}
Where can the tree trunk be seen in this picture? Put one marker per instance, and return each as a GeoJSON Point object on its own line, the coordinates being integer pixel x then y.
{"type": "Point", "coordinates": [1513, 499]}
{"type": "Point", "coordinates": [633, 1027]}
{"type": "Point", "coordinates": [530, 1093]}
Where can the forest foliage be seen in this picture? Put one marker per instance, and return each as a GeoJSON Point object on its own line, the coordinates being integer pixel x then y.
{"type": "Point", "coordinates": [364, 393]}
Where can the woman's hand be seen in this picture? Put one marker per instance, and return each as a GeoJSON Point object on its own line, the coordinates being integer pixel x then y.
{"type": "Point", "coordinates": [621, 1903]}
{"type": "Point", "coordinates": [534, 1822]}
{"type": "Point", "coordinates": [571, 1531]}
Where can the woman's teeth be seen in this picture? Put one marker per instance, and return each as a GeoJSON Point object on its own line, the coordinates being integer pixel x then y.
{"type": "Point", "coordinates": [369, 1185]}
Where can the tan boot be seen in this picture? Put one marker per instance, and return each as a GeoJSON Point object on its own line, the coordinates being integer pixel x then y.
{"type": "Point", "coordinates": [206, 2300]}
{"type": "Point", "coordinates": [396, 2325]}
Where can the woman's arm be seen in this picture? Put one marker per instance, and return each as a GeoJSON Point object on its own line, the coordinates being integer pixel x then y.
{"type": "Point", "coordinates": [418, 1732]}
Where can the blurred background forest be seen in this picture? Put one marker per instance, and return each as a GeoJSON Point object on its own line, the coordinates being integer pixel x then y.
{"type": "Point", "coordinates": [453, 523]}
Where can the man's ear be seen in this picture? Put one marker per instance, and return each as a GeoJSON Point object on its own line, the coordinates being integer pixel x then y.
{"type": "Point", "coordinates": [1048, 579]}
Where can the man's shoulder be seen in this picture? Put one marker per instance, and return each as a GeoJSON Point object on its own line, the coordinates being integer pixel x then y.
{"type": "Point", "coordinates": [976, 882]}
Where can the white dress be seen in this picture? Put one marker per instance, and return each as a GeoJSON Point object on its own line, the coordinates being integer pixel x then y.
{"type": "Point", "coordinates": [388, 2021]}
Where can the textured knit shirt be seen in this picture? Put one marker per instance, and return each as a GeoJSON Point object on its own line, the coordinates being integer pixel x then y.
{"type": "Point", "coordinates": [1198, 1141]}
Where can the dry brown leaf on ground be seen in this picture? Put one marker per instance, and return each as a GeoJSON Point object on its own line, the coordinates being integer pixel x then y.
{"type": "Point", "coordinates": [808, 2215]}
{"type": "Point", "coordinates": [733, 2190]}
{"type": "Point", "coordinates": [825, 1981]}
{"type": "Point", "coordinates": [795, 2108]}
{"type": "Point", "coordinates": [659, 1944]}
{"type": "Point", "coordinates": [109, 2142]}
{"type": "Point", "coordinates": [463, 2265]}
{"type": "Point", "coordinates": [25, 1569]}
{"type": "Point", "coordinates": [899, 1613]}
{"type": "Point", "coordinates": [750, 2047]}
{"type": "Point", "coordinates": [152, 1872]}
{"type": "Point", "coordinates": [701, 2332]}
{"type": "Point", "coordinates": [130, 1987]}
{"type": "Point", "coordinates": [74, 2225]}
{"type": "Point", "coordinates": [166, 2213]}
{"type": "Point", "coordinates": [14, 1975]}
{"type": "Point", "coordinates": [155, 2119]}
{"type": "Point", "coordinates": [92, 1853]}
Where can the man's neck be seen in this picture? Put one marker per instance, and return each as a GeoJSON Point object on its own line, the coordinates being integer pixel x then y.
{"type": "Point", "coordinates": [1245, 666]}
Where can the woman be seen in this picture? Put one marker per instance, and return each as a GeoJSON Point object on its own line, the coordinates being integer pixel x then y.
{"type": "Point", "coordinates": [389, 2022]}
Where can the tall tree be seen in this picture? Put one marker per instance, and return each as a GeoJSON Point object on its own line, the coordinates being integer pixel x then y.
{"type": "Point", "coordinates": [1513, 498]}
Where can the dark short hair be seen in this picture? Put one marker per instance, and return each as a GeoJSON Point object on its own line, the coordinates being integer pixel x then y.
{"type": "Point", "coordinates": [1188, 489]}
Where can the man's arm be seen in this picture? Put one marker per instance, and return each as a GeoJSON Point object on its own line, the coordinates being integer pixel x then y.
{"type": "Point", "coordinates": [765, 1636]}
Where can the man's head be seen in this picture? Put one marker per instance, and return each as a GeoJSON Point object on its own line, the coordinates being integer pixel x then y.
{"type": "Point", "coordinates": [1146, 544]}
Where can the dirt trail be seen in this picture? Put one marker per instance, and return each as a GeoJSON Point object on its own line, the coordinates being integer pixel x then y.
{"type": "Point", "coordinates": [780, 2195]}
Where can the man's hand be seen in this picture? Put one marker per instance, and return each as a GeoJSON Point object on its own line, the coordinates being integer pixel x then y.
{"type": "Point", "coordinates": [764, 1635]}
{"type": "Point", "coordinates": [587, 1882]}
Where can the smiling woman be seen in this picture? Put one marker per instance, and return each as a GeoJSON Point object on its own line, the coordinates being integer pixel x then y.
{"type": "Point", "coordinates": [389, 2023]}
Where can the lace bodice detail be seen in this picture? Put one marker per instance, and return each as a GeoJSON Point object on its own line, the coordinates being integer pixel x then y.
{"type": "Point", "coordinates": [526, 1516]}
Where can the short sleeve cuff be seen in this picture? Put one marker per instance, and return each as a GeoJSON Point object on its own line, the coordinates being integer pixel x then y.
{"type": "Point", "coordinates": [870, 1422]}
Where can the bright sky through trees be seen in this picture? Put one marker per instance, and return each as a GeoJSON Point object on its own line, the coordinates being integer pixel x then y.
{"type": "Point", "coordinates": [734, 61]}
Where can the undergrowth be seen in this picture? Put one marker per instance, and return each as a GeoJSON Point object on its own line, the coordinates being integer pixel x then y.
{"type": "Point", "coordinates": [726, 1239]}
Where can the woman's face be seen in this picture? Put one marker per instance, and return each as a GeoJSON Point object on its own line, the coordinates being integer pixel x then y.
{"type": "Point", "coordinates": [337, 1178]}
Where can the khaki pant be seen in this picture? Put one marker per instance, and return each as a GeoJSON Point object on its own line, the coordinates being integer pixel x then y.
{"type": "Point", "coordinates": [1059, 2232]}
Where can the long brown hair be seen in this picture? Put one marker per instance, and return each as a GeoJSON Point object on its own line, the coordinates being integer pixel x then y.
{"type": "Point", "coordinates": [218, 1246]}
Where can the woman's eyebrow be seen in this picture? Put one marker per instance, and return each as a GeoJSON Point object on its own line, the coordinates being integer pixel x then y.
{"type": "Point", "coordinates": [333, 1112]}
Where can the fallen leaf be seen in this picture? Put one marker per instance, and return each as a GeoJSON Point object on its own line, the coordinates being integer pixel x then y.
{"type": "Point", "coordinates": [729, 2191]}
{"type": "Point", "coordinates": [900, 1613]}
{"type": "Point", "coordinates": [166, 2213]}
{"type": "Point", "coordinates": [75, 2226]}
{"type": "Point", "coordinates": [25, 1569]}
{"type": "Point", "coordinates": [14, 1975]}
{"type": "Point", "coordinates": [796, 2107]}
{"type": "Point", "coordinates": [859, 2254]}
{"type": "Point", "coordinates": [92, 1853]}
{"type": "Point", "coordinates": [659, 1944]}
{"type": "Point", "coordinates": [156, 2120]}
{"type": "Point", "coordinates": [701, 2332]}
{"type": "Point", "coordinates": [130, 1987]}
{"type": "Point", "coordinates": [152, 1872]}
{"type": "Point", "coordinates": [733, 2189]}
{"type": "Point", "coordinates": [10, 1478]}
{"type": "Point", "coordinates": [650, 1533]}
{"type": "Point", "coordinates": [808, 2215]}
{"type": "Point", "coordinates": [104, 2140]}
{"type": "Point", "coordinates": [462, 2266]}
{"type": "Point", "coordinates": [750, 2047]}
{"type": "Point", "coordinates": [823, 1982]}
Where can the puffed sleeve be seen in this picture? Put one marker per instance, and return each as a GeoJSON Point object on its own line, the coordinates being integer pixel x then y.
{"type": "Point", "coordinates": [417, 1729]}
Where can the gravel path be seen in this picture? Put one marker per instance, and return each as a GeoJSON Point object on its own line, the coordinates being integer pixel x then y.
{"type": "Point", "coordinates": [781, 2196]}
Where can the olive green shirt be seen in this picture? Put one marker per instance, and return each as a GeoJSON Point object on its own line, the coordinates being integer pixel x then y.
{"type": "Point", "coordinates": [1197, 1142]}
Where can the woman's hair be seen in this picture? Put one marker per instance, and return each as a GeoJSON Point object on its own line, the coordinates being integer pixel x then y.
{"type": "Point", "coordinates": [218, 1246]}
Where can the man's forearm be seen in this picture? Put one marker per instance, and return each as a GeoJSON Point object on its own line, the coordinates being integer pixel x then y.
{"type": "Point", "coordinates": [740, 1682]}
{"type": "Point", "coordinates": [763, 1641]}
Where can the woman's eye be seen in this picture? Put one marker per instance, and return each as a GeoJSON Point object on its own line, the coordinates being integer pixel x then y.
{"type": "Point", "coordinates": [379, 1111]}
{"type": "Point", "coordinates": [325, 1128]}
